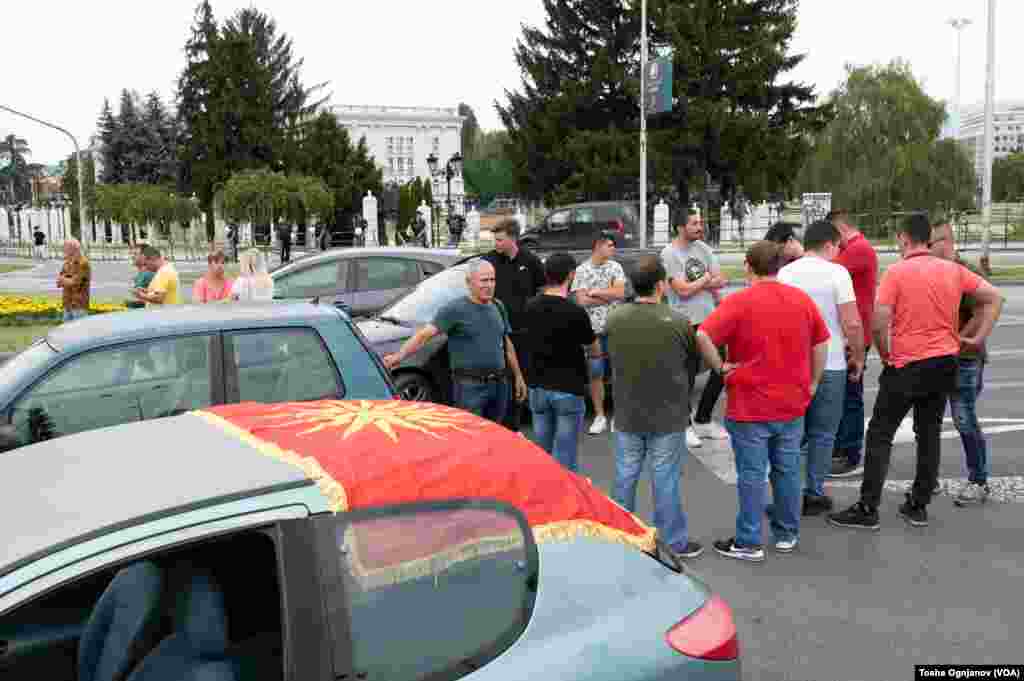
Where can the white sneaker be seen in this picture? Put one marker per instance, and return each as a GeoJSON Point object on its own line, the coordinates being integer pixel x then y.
{"type": "Point", "coordinates": [598, 426]}
{"type": "Point", "coordinates": [692, 439]}
{"type": "Point", "coordinates": [711, 431]}
{"type": "Point", "coordinates": [785, 545]}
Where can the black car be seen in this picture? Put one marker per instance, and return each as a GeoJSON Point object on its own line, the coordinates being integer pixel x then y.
{"type": "Point", "coordinates": [574, 227]}
{"type": "Point", "coordinates": [361, 280]}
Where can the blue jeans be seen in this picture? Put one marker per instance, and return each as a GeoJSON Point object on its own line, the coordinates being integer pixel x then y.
{"type": "Point", "coordinates": [488, 400]}
{"type": "Point", "coordinates": [666, 452]}
{"type": "Point", "coordinates": [600, 366]}
{"type": "Point", "coordinates": [72, 315]}
{"type": "Point", "coordinates": [756, 445]}
{"type": "Point", "coordinates": [557, 422]}
{"type": "Point", "coordinates": [820, 425]}
{"type": "Point", "coordinates": [850, 437]}
{"type": "Point", "coordinates": [970, 379]}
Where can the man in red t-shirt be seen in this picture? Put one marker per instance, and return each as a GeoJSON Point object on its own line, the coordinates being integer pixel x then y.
{"type": "Point", "coordinates": [916, 330]}
{"type": "Point", "coordinates": [777, 344]}
{"type": "Point", "coordinates": [858, 256]}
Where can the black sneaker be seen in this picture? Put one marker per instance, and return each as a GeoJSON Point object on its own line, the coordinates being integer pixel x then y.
{"type": "Point", "coordinates": [730, 549]}
{"type": "Point", "coordinates": [858, 517]}
{"type": "Point", "coordinates": [816, 505]}
{"type": "Point", "coordinates": [693, 549]}
{"type": "Point", "coordinates": [915, 514]}
{"type": "Point", "coordinates": [842, 468]}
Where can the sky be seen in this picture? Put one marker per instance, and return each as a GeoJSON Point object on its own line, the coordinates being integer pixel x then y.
{"type": "Point", "coordinates": [65, 57]}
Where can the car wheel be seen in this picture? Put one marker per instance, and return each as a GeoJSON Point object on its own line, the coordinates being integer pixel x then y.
{"type": "Point", "coordinates": [415, 387]}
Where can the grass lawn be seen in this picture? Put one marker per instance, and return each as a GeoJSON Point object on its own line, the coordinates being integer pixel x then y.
{"type": "Point", "coordinates": [4, 269]}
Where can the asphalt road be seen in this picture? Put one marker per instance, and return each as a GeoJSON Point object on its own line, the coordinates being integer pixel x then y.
{"type": "Point", "coordinates": [867, 606]}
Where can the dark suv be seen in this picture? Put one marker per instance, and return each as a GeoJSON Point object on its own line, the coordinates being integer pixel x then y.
{"type": "Point", "coordinates": [574, 227]}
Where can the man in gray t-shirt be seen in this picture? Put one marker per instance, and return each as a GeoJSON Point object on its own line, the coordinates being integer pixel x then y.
{"type": "Point", "coordinates": [695, 282]}
{"type": "Point", "coordinates": [479, 347]}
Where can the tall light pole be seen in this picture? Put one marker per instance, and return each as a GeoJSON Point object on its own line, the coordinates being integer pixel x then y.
{"type": "Point", "coordinates": [990, 96]}
{"type": "Point", "coordinates": [78, 164]}
{"type": "Point", "coordinates": [959, 25]}
{"type": "Point", "coordinates": [643, 123]}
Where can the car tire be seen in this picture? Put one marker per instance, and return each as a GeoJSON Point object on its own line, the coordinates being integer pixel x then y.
{"type": "Point", "coordinates": [415, 387]}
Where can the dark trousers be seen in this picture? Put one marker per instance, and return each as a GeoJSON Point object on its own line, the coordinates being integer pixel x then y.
{"type": "Point", "coordinates": [850, 436]}
{"type": "Point", "coordinates": [286, 250]}
{"type": "Point", "coordinates": [709, 398]}
{"type": "Point", "coordinates": [514, 414]}
{"type": "Point", "coordinates": [924, 387]}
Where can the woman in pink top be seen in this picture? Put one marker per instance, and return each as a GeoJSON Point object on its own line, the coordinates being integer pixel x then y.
{"type": "Point", "coordinates": [213, 285]}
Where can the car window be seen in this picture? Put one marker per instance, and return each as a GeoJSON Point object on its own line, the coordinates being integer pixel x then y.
{"type": "Point", "coordinates": [308, 281]}
{"type": "Point", "coordinates": [422, 304]}
{"type": "Point", "coordinates": [107, 387]}
{"type": "Point", "coordinates": [378, 274]}
{"type": "Point", "coordinates": [584, 215]}
{"type": "Point", "coordinates": [28, 361]}
{"type": "Point", "coordinates": [559, 221]}
{"type": "Point", "coordinates": [283, 365]}
{"type": "Point", "coordinates": [427, 595]}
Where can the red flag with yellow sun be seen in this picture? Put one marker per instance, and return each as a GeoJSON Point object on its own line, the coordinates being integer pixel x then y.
{"type": "Point", "coordinates": [371, 453]}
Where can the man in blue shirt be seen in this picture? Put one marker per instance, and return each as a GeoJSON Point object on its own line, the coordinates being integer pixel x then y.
{"type": "Point", "coordinates": [479, 347]}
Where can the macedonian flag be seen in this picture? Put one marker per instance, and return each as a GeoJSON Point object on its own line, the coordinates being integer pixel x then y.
{"type": "Point", "coordinates": [374, 453]}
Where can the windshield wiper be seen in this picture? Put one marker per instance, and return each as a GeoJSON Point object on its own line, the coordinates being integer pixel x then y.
{"type": "Point", "coordinates": [392, 320]}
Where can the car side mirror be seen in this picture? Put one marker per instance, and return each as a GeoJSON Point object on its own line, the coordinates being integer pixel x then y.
{"type": "Point", "coordinates": [344, 307]}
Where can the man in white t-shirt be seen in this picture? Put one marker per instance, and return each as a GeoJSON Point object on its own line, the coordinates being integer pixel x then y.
{"type": "Point", "coordinates": [831, 288]}
{"type": "Point", "coordinates": [599, 284]}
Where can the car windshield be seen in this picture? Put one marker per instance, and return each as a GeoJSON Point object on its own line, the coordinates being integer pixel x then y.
{"type": "Point", "coordinates": [423, 302]}
{"type": "Point", "coordinates": [14, 370]}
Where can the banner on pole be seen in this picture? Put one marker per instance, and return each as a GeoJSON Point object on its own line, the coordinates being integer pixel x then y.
{"type": "Point", "coordinates": [658, 85]}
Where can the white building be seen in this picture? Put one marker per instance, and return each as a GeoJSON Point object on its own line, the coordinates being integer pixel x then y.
{"type": "Point", "coordinates": [401, 138]}
{"type": "Point", "coordinates": [1008, 123]}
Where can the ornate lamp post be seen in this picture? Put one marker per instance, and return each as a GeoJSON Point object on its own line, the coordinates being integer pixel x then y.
{"type": "Point", "coordinates": [452, 168]}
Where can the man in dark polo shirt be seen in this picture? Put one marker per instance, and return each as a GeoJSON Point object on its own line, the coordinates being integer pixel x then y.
{"type": "Point", "coordinates": [520, 276]}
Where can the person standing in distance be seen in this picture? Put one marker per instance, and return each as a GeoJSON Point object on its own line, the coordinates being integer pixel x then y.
{"type": "Point", "coordinates": [778, 345]}
{"type": "Point", "coordinates": [652, 405]}
{"type": "Point", "coordinates": [479, 347]}
{"type": "Point", "coordinates": [970, 378]}
{"type": "Point", "coordinates": [695, 283]}
{"type": "Point", "coordinates": [830, 287]}
{"type": "Point", "coordinates": [557, 331]}
{"type": "Point", "coordinates": [520, 276]}
{"type": "Point", "coordinates": [599, 284]}
{"type": "Point", "coordinates": [163, 288]}
{"type": "Point", "coordinates": [858, 256]}
{"type": "Point", "coordinates": [75, 280]}
{"type": "Point", "coordinates": [916, 331]}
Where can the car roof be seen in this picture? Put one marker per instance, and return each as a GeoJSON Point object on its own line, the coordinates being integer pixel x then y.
{"type": "Point", "coordinates": [70, 489]}
{"type": "Point", "coordinates": [103, 329]}
{"type": "Point", "coordinates": [440, 255]}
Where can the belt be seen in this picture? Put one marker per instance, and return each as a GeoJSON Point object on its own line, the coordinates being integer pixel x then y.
{"type": "Point", "coordinates": [480, 375]}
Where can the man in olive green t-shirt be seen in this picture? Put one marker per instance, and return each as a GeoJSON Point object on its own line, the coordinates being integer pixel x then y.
{"type": "Point", "coordinates": [652, 400]}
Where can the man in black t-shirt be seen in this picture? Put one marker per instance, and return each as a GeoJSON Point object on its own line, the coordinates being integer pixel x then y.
{"type": "Point", "coordinates": [520, 277]}
{"type": "Point", "coordinates": [556, 331]}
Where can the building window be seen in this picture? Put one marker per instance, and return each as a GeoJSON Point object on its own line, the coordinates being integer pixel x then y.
{"type": "Point", "coordinates": [437, 145]}
{"type": "Point", "coordinates": [411, 165]}
{"type": "Point", "coordinates": [408, 140]}
{"type": "Point", "coordinates": [391, 145]}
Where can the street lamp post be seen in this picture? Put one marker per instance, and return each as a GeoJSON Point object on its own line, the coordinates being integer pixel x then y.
{"type": "Point", "coordinates": [451, 169]}
{"type": "Point", "coordinates": [990, 88]}
{"type": "Point", "coordinates": [959, 25]}
{"type": "Point", "coordinates": [78, 164]}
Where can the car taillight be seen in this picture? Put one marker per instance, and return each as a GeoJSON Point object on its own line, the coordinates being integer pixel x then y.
{"type": "Point", "coordinates": [707, 634]}
{"type": "Point", "coordinates": [619, 226]}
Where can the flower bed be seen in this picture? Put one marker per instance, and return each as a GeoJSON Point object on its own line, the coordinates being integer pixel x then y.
{"type": "Point", "coordinates": [25, 310]}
